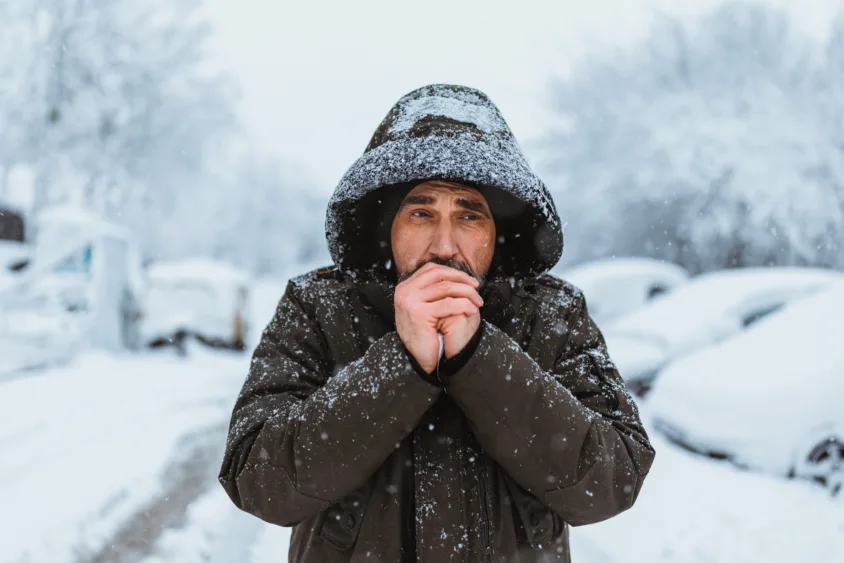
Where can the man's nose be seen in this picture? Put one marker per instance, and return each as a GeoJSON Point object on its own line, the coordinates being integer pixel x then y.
{"type": "Point", "coordinates": [443, 244]}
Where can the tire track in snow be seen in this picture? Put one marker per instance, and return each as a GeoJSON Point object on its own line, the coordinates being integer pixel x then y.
{"type": "Point", "coordinates": [187, 477]}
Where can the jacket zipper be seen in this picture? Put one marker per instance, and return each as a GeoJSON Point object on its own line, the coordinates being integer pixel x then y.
{"type": "Point", "coordinates": [481, 482]}
{"type": "Point", "coordinates": [484, 511]}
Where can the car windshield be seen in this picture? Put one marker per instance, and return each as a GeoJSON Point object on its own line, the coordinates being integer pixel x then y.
{"type": "Point", "coordinates": [78, 262]}
{"type": "Point", "coordinates": [757, 315]}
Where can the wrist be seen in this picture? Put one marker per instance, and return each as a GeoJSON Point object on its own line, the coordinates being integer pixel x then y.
{"type": "Point", "coordinates": [428, 375]}
{"type": "Point", "coordinates": [450, 366]}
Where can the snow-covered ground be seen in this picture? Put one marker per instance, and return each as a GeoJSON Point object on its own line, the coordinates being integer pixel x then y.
{"type": "Point", "coordinates": [107, 444]}
{"type": "Point", "coordinates": [695, 510]}
{"type": "Point", "coordinates": [691, 510]}
{"type": "Point", "coordinates": [114, 458]}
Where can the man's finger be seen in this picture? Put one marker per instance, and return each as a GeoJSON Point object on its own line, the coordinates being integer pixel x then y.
{"type": "Point", "coordinates": [433, 273]}
{"type": "Point", "coordinates": [442, 289]}
{"type": "Point", "coordinates": [426, 276]}
{"type": "Point", "coordinates": [452, 306]}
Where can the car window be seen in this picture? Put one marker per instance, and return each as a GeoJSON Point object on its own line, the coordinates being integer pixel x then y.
{"type": "Point", "coordinates": [78, 262]}
{"type": "Point", "coordinates": [657, 290]}
{"type": "Point", "coordinates": [11, 226]}
{"type": "Point", "coordinates": [756, 315]}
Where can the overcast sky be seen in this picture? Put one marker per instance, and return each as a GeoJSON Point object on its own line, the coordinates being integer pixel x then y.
{"type": "Point", "coordinates": [318, 77]}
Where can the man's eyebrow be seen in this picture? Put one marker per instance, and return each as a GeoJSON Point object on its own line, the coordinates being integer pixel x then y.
{"type": "Point", "coordinates": [472, 205]}
{"type": "Point", "coordinates": [417, 199]}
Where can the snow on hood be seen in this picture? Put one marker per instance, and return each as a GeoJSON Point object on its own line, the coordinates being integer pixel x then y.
{"type": "Point", "coordinates": [453, 133]}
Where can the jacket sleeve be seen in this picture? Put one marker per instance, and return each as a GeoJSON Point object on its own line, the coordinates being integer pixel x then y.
{"type": "Point", "coordinates": [571, 437]}
{"type": "Point", "coordinates": [300, 439]}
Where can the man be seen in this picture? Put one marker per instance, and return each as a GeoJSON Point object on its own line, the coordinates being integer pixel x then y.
{"type": "Point", "coordinates": [433, 397]}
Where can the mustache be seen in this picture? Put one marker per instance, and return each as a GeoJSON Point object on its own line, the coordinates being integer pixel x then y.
{"type": "Point", "coordinates": [456, 264]}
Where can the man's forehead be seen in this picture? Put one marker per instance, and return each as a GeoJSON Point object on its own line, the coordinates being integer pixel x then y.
{"type": "Point", "coordinates": [437, 187]}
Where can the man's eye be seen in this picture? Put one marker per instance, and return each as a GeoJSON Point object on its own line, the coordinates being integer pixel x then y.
{"type": "Point", "coordinates": [419, 213]}
{"type": "Point", "coordinates": [471, 217]}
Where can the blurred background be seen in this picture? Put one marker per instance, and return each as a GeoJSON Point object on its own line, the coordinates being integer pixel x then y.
{"type": "Point", "coordinates": [165, 167]}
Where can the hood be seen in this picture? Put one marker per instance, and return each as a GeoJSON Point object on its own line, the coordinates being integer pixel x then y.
{"type": "Point", "coordinates": [453, 133]}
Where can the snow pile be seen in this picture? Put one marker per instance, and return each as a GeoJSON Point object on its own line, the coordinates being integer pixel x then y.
{"type": "Point", "coordinates": [712, 305]}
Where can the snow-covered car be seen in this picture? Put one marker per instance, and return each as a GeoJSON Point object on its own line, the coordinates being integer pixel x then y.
{"type": "Point", "coordinates": [617, 286]}
{"type": "Point", "coordinates": [81, 287]}
{"type": "Point", "coordinates": [94, 266]}
{"type": "Point", "coordinates": [769, 398]}
{"type": "Point", "coordinates": [707, 310]}
{"type": "Point", "coordinates": [201, 298]}
{"type": "Point", "coordinates": [36, 331]}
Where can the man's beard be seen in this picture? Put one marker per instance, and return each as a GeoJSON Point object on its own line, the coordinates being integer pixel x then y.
{"type": "Point", "coordinates": [457, 265]}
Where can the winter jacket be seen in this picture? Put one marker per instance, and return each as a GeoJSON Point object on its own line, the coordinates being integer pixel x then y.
{"type": "Point", "coordinates": [338, 435]}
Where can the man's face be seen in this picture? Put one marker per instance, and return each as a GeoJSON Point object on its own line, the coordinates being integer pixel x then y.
{"type": "Point", "coordinates": [446, 223]}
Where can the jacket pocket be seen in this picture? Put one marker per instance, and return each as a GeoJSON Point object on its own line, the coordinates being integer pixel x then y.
{"type": "Point", "coordinates": [536, 518]}
{"type": "Point", "coordinates": [341, 522]}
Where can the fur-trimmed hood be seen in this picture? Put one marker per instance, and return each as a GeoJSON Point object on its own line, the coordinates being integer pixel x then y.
{"type": "Point", "coordinates": [453, 133]}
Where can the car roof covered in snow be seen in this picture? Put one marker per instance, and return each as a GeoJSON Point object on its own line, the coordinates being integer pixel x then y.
{"type": "Point", "coordinates": [709, 300]}
{"type": "Point", "coordinates": [616, 286]}
{"type": "Point", "coordinates": [81, 221]}
{"type": "Point", "coordinates": [630, 268]}
{"type": "Point", "coordinates": [197, 270]}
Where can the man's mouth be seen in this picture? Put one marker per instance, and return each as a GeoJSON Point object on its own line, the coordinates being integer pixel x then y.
{"type": "Point", "coordinates": [448, 262]}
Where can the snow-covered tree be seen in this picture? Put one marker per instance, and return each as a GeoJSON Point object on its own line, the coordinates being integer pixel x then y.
{"type": "Point", "coordinates": [713, 144]}
{"type": "Point", "coordinates": [279, 221]}
{"type": "Point", "coordinates": [112, 102]}
{"type": "Point", "coordinates": [113, 106]}
{"type": "Point", "coordinates": [257, 213]}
